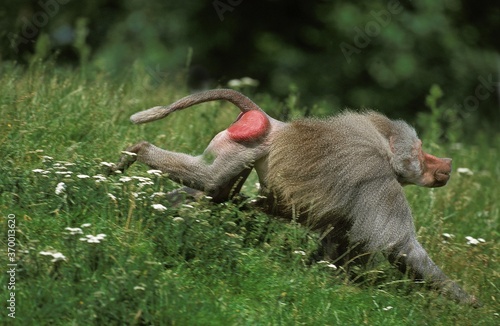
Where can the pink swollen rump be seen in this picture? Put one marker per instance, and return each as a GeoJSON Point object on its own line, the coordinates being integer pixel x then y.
{"type": "Point", "coordinates": [249, 126]}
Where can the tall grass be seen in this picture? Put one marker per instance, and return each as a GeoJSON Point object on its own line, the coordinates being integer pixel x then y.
{"type": "Point", "coordinates": [92, 249]}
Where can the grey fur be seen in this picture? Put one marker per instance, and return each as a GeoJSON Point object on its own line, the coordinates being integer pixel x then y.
{"type": "Point", "coordinates": [342, 177]}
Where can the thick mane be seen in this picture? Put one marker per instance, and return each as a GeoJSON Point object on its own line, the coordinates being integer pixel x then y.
{"type": "Point", "coordinates": [345, 148]}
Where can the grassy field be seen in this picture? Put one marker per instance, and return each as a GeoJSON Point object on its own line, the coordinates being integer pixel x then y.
{"type": "Point", "coordinates": [100, 250]}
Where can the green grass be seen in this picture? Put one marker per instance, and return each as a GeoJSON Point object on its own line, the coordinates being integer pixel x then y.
{"type": "Point", "coordinates": [202, 263]}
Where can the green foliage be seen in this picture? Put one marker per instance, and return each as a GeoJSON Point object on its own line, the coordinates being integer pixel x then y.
{"type": "Point", "coordinates": [200, 263]}
{"type": "Point", "coordinates": [439, 123]}
{"type": "Point", "coordinates": [383, 55]}
{"type": "Point", "coordinates": [42, 49]}
{"type": "Point", "coordinates": [80, 44]}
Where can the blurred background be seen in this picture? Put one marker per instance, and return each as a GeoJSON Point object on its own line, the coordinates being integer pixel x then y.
{"type": "Point", "coordinates": [385, 54]}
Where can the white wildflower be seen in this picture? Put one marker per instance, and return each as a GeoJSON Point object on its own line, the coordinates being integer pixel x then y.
{"type": "Point", "coordinates": [387, 308]}
{"type": "Point", "coordinates": [69, 164]}
{"type": "Point", "coordinates": [139, 195]}
{"type": "Point", "coordinates": [300, 252]}
{"type": "Point", "coordinates": [157, 194]}
{"type": "Point", "coordinates": [247, 81]}
{"type": "Point", "coordinates": [448, 235]}
{"type": "Point", "coordinates": [328, 264]}
{"type": "Point", "coordinates": [474, 241]}
{"type": "Point", "coordinates": [74, 231]}
{"type": "Point", "coordinates": [178, 219]}
{"type": "Point", "coordinates": [64, 172]}
{"type": "Point", "coordinates": [235, 83]}
{"type": "Point", "coordinates": [40, 171]}
{"type": "Point", "coordinates": [159, 207]}
{"type": "Point", "coordinates": [113, 197]}
{"type": "Point", "coordinates": [157, 173]}
{"type": "Point", "coordinates": [59, 166]}
{"type": "Point", "coordinates": [484, 213]}
{"type": "Point", "coordinates": [471, 240]}
{"type": "Point", "coordinates": [129, 153]}
{"type": "Point", "coordinates": [99, 178]}
{"type": "Point", "coordinates": [82, 176]}
{"type": "Point", "coordinates": [47, 158]}
{"type": "Point", "coordinates": [141, 179]}
{"type": "Point", "coordinates": [93, 239]}
{"type": "Point", "coordinates": [125, 179]}
{"type": "Point", "coordinates": [139, 288]}
{"type": "Point", "coordinates": [257, 198]}
{"type": "Point", "coordinates": [86, 225]}
{"type": "Point", "coordinates": [146, 183]}
{"type": "Point", "coordinates": [60, 188]}
{"type": "Point", "coordinates": [56, 256]}
{"type": "Point", "coordinates": [187, 206]}
{"type": "Point", "coordinates": [108, 164]}
{"type": "Point", "coordinates": [465, 171]}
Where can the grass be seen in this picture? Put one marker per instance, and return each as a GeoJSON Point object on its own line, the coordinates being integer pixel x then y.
{"type": "Point", "coordinates": [201, 263]}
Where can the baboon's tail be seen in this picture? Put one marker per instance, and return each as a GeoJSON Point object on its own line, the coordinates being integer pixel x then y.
{"type": "Point", "coordinates": [159, 112]}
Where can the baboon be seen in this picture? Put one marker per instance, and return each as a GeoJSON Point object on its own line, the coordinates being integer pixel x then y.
{"type": "Point", "coordinates": [341, 176]}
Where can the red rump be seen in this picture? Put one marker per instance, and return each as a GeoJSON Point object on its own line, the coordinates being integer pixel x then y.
{"type": "Point", "coordinates": [249, 126]}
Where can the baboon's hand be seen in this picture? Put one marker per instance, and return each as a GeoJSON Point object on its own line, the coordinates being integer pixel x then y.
{"type": "Point", "coordinates": [126, 160]}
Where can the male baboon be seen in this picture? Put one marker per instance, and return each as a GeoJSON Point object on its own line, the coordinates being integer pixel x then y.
{"type": "Point", "coordinates": [341, 176]}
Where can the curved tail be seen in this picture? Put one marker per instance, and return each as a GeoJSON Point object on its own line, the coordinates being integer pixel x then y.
{"type": "Point", "coordinates": [159, 112]}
